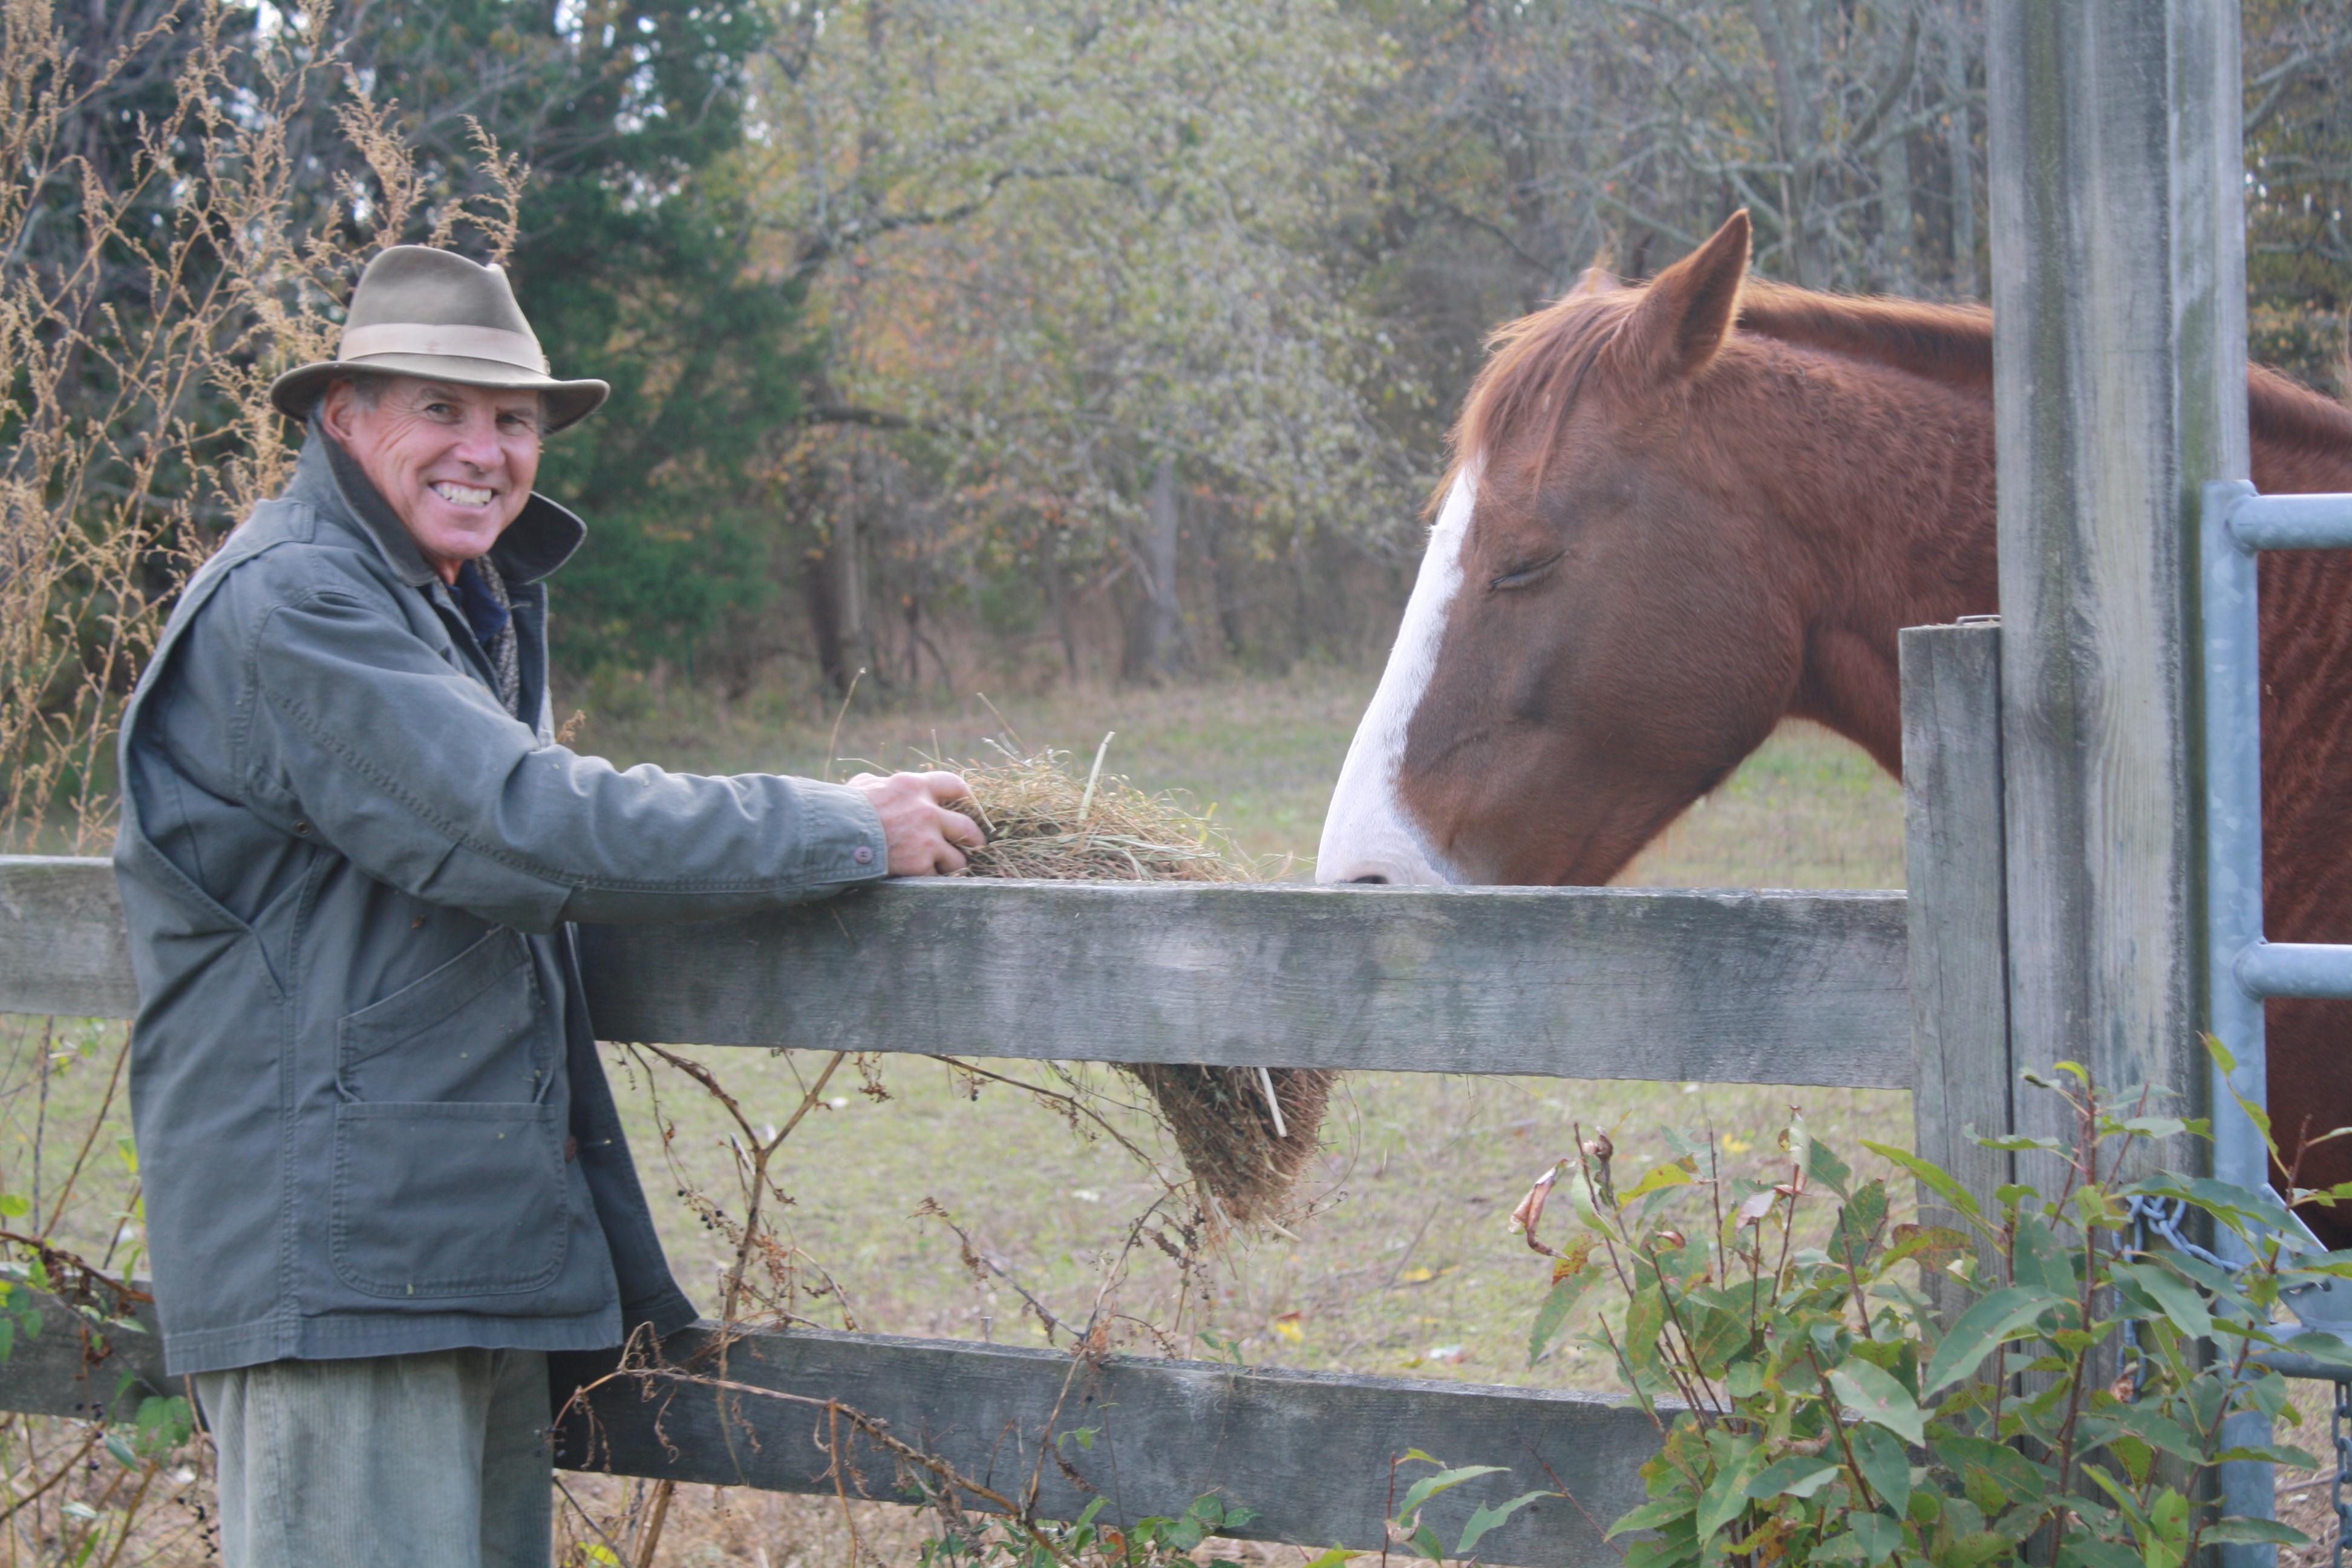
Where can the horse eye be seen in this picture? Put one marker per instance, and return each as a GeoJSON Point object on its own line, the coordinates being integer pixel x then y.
{"type": "Point", "coordinates": [1520, 576]}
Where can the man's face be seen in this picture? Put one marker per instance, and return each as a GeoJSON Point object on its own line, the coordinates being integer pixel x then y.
{"type": "Point", "coordinates": [455, 463]}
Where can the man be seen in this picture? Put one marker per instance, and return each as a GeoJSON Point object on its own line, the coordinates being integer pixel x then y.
{"type": "Point", "coordinates": [383, 1173]}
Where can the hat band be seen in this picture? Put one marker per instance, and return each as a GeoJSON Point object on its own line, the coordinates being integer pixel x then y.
{"type": "Point", "coordinates": [519, 349]}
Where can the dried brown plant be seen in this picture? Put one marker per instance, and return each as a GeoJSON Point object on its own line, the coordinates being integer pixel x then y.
{"type": "Point", "coordinates": [148, 295]}
{"type": "Point", "coordinates": [1247, 1133]}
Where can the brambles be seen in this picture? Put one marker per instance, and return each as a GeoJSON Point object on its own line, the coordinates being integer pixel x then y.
{"type": "Point", "coordinates": [161, 266]}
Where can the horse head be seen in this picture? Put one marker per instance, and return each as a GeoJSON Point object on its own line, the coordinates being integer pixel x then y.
{"type": "Point", "coordinates": [1595, 639]}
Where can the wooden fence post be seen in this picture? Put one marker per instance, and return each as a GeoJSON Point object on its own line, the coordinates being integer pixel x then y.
{"type": "Point", "coordinates": [2119, 391]}
{"type": "Point", "coordinates": [2119, 379]}
{"type": "Point", "coordinates": [1953, 853]}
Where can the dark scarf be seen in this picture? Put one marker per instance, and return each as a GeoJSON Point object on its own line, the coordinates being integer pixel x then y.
{"type": "Point", "coordinates": [482, 595]}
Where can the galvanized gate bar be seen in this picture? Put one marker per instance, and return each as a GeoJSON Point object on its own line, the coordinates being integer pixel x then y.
{"type": "Point", "coordinates": [2245, 969]}
{"type": "Point", "coordinates": [2268, 969]}
{"type": "Point", "coordinates": [2288, 522]}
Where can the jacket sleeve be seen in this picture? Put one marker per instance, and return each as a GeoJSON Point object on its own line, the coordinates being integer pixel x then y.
{"type": "Point", "coordinates": [365, 737]}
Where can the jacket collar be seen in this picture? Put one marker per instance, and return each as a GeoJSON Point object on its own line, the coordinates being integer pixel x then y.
{"type": "Point", "coordinates": [541, 539]}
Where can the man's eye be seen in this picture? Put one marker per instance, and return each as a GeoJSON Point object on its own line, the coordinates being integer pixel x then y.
{"type": "Point", "coordinates": [439, 410]}
{"type": "Point", "coordinates": [1520, 576]}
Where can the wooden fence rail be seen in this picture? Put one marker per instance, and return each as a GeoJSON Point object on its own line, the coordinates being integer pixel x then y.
{"type": "Point", "coordinates": [1718, 988]}
{"type": "Point", "coordinates": [1309, 1452]}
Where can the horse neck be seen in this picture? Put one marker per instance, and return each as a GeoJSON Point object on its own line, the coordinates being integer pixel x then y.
{"type": "Point", "coordinates": [1876, 488]}
{"type": "Point", "coordinates": [2302, 441]}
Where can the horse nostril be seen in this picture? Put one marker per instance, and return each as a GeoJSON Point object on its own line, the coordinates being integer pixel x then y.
{"type": "Point", "coordinates": [1370, 878]}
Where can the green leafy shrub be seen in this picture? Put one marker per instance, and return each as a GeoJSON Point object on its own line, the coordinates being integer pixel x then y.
{"type": "Point", "coordinates": [2076, 1390]}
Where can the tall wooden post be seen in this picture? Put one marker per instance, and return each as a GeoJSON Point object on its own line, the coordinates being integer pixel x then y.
{"type": "Point", "coordinates": [2119, 354]}
{"type": "Point", "coordinates": [2120, 386]}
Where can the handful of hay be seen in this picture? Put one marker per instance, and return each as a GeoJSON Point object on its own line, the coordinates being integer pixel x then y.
{"type": "Point", "coordinates": [1245, 1134]}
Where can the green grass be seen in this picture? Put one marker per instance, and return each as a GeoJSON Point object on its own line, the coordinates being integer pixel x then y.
{"type": "Point", "coordinates": [1403, 1263]}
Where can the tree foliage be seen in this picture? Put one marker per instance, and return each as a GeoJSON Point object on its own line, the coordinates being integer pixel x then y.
{"type": "Point", "coordinates": [1124, 334]}
{"type": "Point", "coordinates": [637, 263]}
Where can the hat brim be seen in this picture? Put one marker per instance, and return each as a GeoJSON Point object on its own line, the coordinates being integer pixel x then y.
{"type": "Point", "coordinates": [568, 402]}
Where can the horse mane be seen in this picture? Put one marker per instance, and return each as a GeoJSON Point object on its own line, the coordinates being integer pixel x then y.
{"type": "Point", "coordinates": [1538, 363]}
{"type": "Point", "coordinates": [1950, 343]}
{"type": "Point", "coordinates": [1535, 366]}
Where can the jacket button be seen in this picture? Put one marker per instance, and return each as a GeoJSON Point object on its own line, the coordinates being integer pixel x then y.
{"type": "Point", "coordinates": [863, 855]}
{"type": "Point", "coordinates": [302, 828]}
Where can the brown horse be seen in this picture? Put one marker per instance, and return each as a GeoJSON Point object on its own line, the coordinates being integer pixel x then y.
{"type": "Point", "coordinates": [1682, 511]}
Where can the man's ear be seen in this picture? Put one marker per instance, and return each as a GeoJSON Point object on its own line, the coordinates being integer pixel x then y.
{"type": "Point", "coordinates": [1686, 310]}
{"type": "Point", "coordinates": [336, 406]}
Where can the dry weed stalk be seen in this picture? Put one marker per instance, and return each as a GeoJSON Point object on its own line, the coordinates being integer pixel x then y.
{"type": "Point", "coordinates": [148, 295]}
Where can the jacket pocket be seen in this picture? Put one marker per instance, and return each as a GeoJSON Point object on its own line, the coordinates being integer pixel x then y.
{"type": "Point", "coordinates": [475, 1029]}
{"type": "Point", "coordinates": [441, 1200]}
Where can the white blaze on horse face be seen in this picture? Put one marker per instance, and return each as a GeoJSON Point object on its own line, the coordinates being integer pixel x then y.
{"type": "Point", "coordinates": [1368, 835]}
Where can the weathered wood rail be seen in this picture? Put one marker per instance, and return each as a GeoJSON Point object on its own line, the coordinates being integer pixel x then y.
{"type": "Point", "coordinates": [1727, 987]}
{"type": "Point", "coordinates": [1309, 1452]}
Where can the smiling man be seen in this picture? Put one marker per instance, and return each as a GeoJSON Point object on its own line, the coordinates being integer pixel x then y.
{"type": "Point", "coordinates": [384, 1175]}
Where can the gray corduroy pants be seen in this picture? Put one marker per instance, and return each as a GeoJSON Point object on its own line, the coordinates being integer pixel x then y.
{"type": "Point", "coordinates": [384, 1461]}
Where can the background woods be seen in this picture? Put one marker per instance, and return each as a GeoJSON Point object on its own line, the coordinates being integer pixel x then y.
{"type": "Point", "coordinates": [1017, 342]}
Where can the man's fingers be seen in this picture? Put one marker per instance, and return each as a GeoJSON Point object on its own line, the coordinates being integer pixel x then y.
{"type": "Point", "coordinates": [922, 834]}
{"type": "Point", "coordinates": [958, 828]}
{"type": "Point", "coordinates": [944, 786]}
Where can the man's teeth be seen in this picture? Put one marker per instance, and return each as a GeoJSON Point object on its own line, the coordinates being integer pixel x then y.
{"type": "Point", "coordinates": [461, 495]}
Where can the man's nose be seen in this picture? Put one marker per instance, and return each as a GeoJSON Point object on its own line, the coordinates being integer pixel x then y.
{"type": "Point", "coordinates": [478, 442]}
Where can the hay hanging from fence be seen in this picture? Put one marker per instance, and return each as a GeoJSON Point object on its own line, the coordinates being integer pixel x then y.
{"type": "Point", "coordinates": [1046, 819]}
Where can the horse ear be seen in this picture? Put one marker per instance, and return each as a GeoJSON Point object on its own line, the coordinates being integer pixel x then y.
{"type": "Point", "coordinates": [1687, 310]}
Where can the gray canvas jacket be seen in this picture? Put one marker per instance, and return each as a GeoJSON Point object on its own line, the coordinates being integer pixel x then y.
{"type": "Point", "coordinates": [370, 1114]}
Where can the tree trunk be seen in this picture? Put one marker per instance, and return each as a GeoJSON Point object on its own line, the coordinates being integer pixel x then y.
{"type": "Point", "coordinates": [1057, 596]}
{"type": "Point", "coordinates": [1155, 640]}
{"type": "Point", "coordinates": [1302, 581]}
{"type": "Point", "coordinates": [820, 590]}
{"type": "Point", "coordinates": [1960, 143]}
{"type": "Point", "coordinates": [845, 577]}
{"type": "Point", "coordinates": [1895, 270]}
{"type": "Point", "coordinates": [1222, 590]}
{"type": "Point", "coordinates": [1790, 33]}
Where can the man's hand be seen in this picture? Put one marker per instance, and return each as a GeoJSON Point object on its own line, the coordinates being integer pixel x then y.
{"type": "Point", "coordinates": [922, 832]}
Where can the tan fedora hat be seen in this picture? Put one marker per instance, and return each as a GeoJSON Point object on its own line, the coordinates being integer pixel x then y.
{"type": "Point", "coordinates": [428, 312]}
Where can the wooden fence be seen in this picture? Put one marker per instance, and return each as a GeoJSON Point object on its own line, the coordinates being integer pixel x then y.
{"type": "Point", "coordinates": [1798, 988]}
